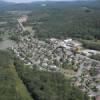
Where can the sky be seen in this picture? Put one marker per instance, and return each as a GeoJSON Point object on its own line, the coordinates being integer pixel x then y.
{"type": "Point", "coordinates": [26, 1]}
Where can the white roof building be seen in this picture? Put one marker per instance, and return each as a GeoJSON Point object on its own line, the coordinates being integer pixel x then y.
{"type": "Point", "coordinates": [88, 52]}
{"type": "Point", "coordinates": [67, 40]}
{"type": "Point", "coordinates": [63, 44]}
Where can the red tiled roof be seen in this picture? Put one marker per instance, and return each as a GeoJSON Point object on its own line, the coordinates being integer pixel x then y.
{"type": "Point", "coordinates": [98, 98]}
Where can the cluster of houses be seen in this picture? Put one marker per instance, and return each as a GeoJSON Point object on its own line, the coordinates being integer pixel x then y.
{"type": "Point", "coordinates": [68, 44]}
{"type": "Point", "coordinates": [45, 55]}
{"type": "Point", "coordinates": [51, 54]}
{"type": "Point", "coordinates": [88, 76]}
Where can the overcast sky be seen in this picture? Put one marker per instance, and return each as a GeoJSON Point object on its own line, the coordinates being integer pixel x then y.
{"type": "Point", "coordinates": [25, 1]}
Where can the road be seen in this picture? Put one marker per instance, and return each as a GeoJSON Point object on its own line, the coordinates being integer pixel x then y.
{"type": "Point", "coordinates": [79, 72]}
{"type": "Point", "coordinates": [21, 25]}
{"type": "Point", "coordinates": [28, 28]}
{"type": "Point", "coordinates": [89, 59]}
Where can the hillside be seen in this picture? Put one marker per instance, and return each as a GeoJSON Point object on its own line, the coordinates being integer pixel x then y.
{"type": "Point", "coordinates": [11, 86]}
{"type": "Point", "coordinates": [30, 6]}
{"type": "Point", "coordinates": [61, 20]}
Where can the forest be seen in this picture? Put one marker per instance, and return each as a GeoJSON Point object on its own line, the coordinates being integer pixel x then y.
{"type": "Point", "coordinates": [77, 20]}
{"type": "Point", "coordinates": [11, 86]}
{"type": "Point", "coordinates": [61, 19]}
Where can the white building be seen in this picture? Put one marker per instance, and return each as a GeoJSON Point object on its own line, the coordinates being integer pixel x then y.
{"type": "Point", "coordinates": [68, 40]}
{"type": "Point", "coordinates": [89, 52]}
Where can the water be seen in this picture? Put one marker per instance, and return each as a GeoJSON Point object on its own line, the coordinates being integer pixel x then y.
{"type": "Point", "coordinates": [6, 44]}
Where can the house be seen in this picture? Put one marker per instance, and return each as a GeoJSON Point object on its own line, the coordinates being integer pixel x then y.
{"type": "Point", "coordinates": [53, 67]}
{"type": "Point", "coordinates": [68, 40]}
{"type": "Point", "coordinates": [98, 97]}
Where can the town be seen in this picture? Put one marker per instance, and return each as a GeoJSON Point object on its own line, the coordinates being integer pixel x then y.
{"type": "Point", "coordinates": [50, 52]}
{"type": "Point", "coordinates": [66, 56]}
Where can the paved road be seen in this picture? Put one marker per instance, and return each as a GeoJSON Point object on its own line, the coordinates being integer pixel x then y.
{"type": "Point", "coordinates": [24, 28]}
{"type": "Point", "coordinates": [80, 70]}
{"type": "Point", "coordinates": [21, 25]}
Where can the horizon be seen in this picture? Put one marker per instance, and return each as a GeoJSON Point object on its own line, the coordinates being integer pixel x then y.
{"type": "Point", "coordinates": [29, 1]}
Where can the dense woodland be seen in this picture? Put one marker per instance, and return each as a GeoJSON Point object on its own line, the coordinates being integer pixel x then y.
{"type": "Point", "coordinates": [11, 86]}
{"type": "Point", "coordinates": [96, 57]}
{"type": "Point", "coordinates": [91, 44]}
{"type": "Point", "coordinates": [77, 20]}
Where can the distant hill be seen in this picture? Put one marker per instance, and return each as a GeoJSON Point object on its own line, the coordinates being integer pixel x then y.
{"type": "Point", "coordinates": [5, 5]}
{"type": "Point", "coordinates": [30, 6]}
